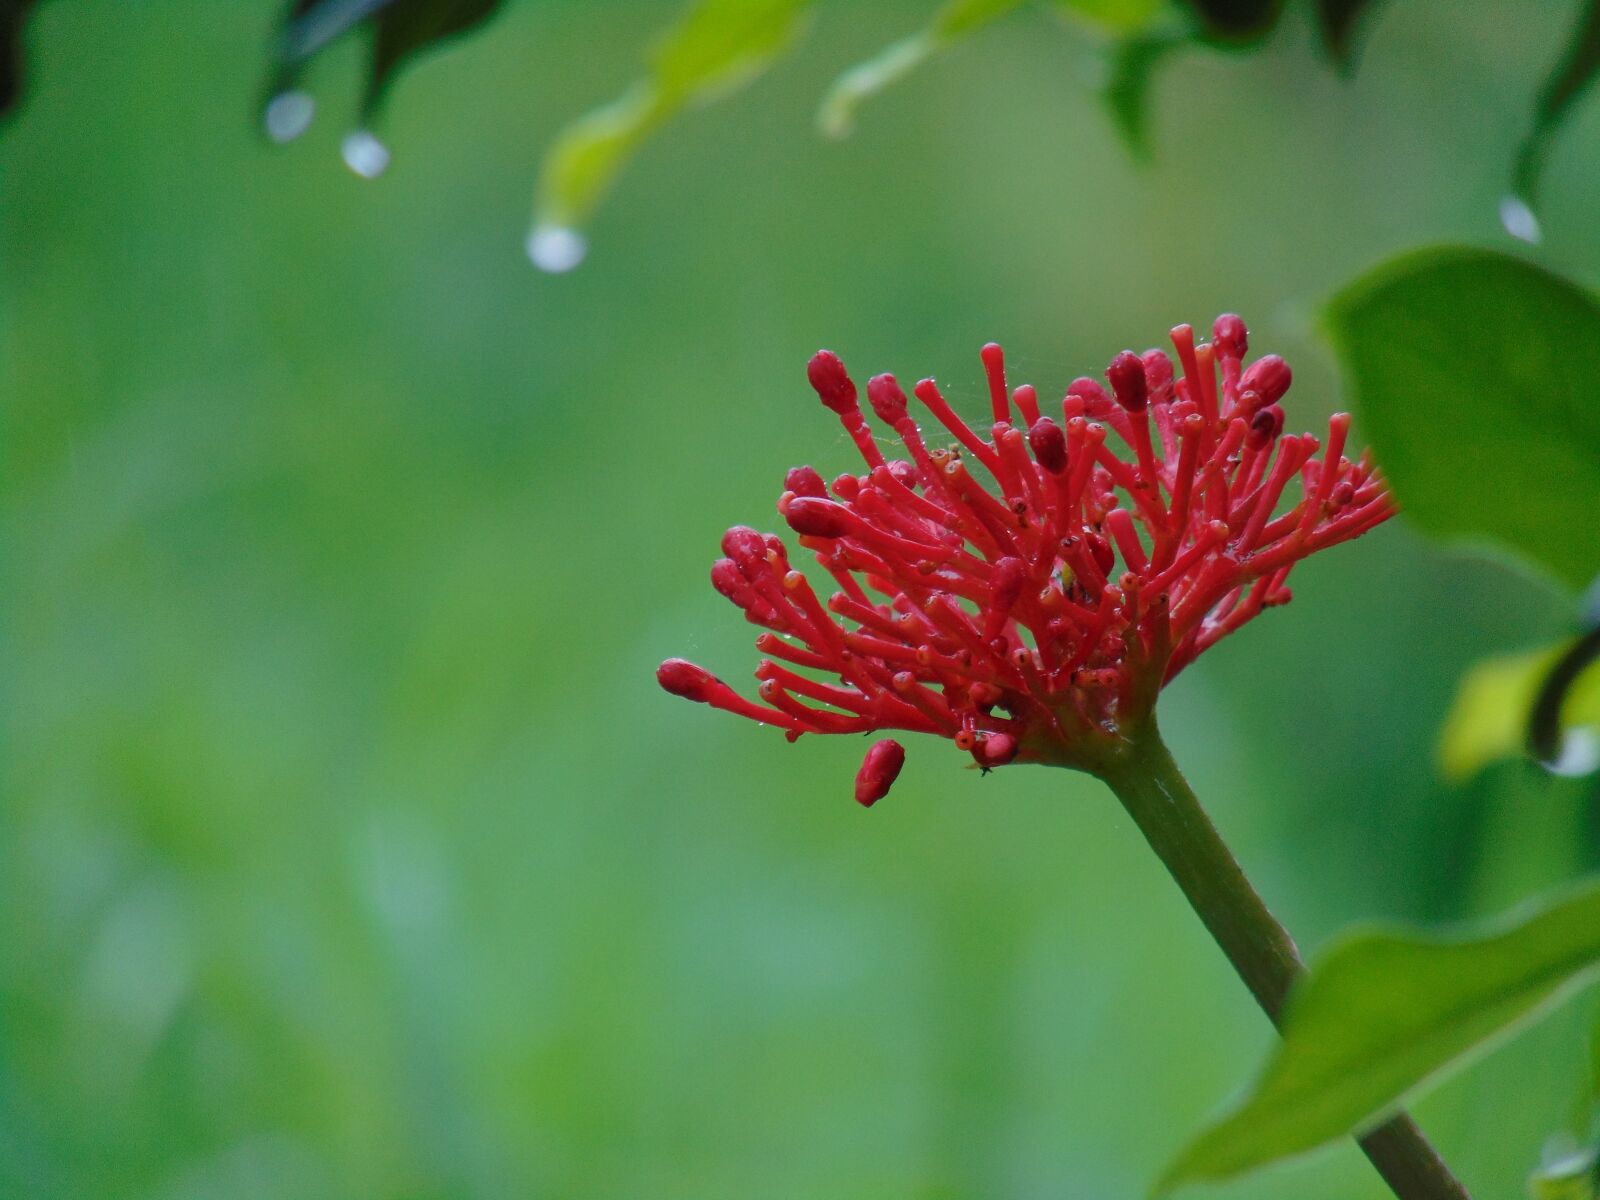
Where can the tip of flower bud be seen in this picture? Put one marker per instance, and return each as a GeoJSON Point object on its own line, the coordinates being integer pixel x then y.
{"type": "Point", "coordinates": [1268, 378]}
{"type": "Point", "coordinates": [887, 398]}
{"type": "Point", "coordinates": [1265, 426]}
{"type": "Point", "coordinates": [804, 481]}
{"type": "Point", "coordinates": [1230, 336]}
{"type": "Point", "coordinates": [995, 750]}
{"type": "Point", "coordinates": [682, 678]}
{"type": "Point", "coordinates": [879, 770]}
{"type": "Point", "coordinates": [1126, 374]}
{"type": "Point", "coordinates": [1049, 445]}
{"type": "Point", "coordinates": [832, 382]}
{"type": "Point", "coordinates": [1158, 375]}
{"type": "Point", "coordinates": [1089, 393]}
{"type": "Point", "coordinates": [744, 545]}
{"type": "Point", "coordinates": [814, 517]}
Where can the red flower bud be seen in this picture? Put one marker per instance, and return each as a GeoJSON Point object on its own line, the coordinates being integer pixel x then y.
{"type": "Point", "coordinates": [1158, 376]}
{"type": "Point", "coordinates": [804, 481]}
{"type": "Point", "coordinates": [888, 400]}
{"type": "Point", "coordinates": [832, 382]}
{"type": "Point", "coordinates": [1095, 401]}
{"type": "Point", "coordinates": [995, 750]}
{"type": "Point", "coordinates": [745, 546]}
{"type": "Point", "coordinates": [1230, 336]}
{"type": "Point", "coordinates": [1265, 426]}
{"type": "Point", "coordinates": [1049, 445]}
{"type": "Point", "coordinates": [1268, 378]}
{"type": "Point", "coordinates": [683, 678]}
{"type": "Point", "coordinates": [878, 771]}
{"type": "Point", "coordinates": [817, 518]}
{"type": "Point", "coordinates": [1126, 374]}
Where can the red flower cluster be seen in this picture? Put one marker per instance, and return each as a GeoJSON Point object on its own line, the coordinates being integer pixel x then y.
{"type": "Point", "coordinates": [1036, 617]}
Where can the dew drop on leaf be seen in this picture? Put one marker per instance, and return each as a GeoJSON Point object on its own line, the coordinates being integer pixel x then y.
{"type": "Point", "coordinates": [287, 115]}
{"type": "Point", "coordinates": [364, 154]}
{"type": "Point", "coordinates": [555, 248]}
{"type": "Point", "coordinates": [1519, 220]}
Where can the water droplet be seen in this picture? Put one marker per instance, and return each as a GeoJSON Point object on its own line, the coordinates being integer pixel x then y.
{"type": "Point", "coordinates": [365, 154]}
{"type": "Point", "coordinates": [1519, 221]}
{"type": "Point", "coordinates": [555, 248]}
{"type": "Point", "coordinates": [1579, 754]}
{"type": "Point", "coordinates": [287, 115]}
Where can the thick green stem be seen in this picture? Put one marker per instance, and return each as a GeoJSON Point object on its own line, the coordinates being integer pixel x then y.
{"type": "Point", "coordinates": [1158, 798]}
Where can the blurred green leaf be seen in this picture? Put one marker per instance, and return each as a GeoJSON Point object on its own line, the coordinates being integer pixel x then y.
{"type": "Point", "coordinates": [1476, 375]}
{"type": "Point", "coordinates": [1237, 21]}
{"type": "Point", "coordinates": [1338, 20]}
{"type": "Point", "coordinates": [717, 46]}
{"type": "Point", "coordinates": [1489, 716]}
{"type": "Point", "coordinates": [957, 19]}
{"type": "Point", "coordinates": [1570, 1178]}
{"type": "Point", "coordinates": [1568, 81]}
{"type": "Point", "coordinates": [1384, 1012]}
{"type": "Point", "coordinates": [836, 116]}
{"type": "Point", "coordinates": [1127, 91]}
{"type": "Point", "coordinates": [400, 30]}
{"type": "Point", "coordinates": [13, 14]}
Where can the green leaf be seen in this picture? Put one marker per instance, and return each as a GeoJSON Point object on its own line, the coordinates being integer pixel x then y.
{"type": "Point", "coordinates": [399, 30]}
{"type": "Point", "coordinates": [1338, 20]}
{"type": "Point", "coordinates": [1477, 376]}
{"type": "Point", "coordinates": [716, 46]}
{"type": "Point", "coordinates": [1571, 1177]}
{"type": "Point", "coordinates": [13, 14]}
{"type": "Point", "coordinates": [1127, 91]}
{"type": "Point", "coordinates": [957, 19]}
{"type": "Point", "coordinates": [1488, 719]}
{"type": "Point", "coordinates": [1384, 1012]}
{"type": "Point", "coordinates": [1237, 22]}
{"type": "Point", "coordinates": [1570, 77]}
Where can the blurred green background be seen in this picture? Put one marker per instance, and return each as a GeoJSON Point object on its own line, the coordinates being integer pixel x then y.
{"type": "Point", "coordinates": [349, 848]}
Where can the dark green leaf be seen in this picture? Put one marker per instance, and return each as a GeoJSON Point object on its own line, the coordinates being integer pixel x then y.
{"type": "Point", "coordinates": [1237, 21]}
{"type": "Point", "coordinates": [408, 27]}
{"type": "Point", "coordinates": [1567, 82]}
{"type": "Point", "coordinates": [717, 46]}
{"type": "Point", "coordinates": [399, 29]}
{"type": "Point", "coordinates": [1477, 376]}
{"type": "Point", "coordinates": [1383, 1013]}
{"type": "Point", "coordinates": [13, 15]}
{"type": "Point", "coordinates": [1338, 20]}
{"type": "Point", "coordinates": [1127, 93]}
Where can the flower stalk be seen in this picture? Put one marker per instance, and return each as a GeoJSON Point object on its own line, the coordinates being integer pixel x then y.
{"type": "Point", "coordinates": [1157, 796]}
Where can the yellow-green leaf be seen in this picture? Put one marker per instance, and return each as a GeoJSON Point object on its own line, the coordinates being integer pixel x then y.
{"type": "Point", "coordinates": [1488, 720]}
{"type": "Point", "coordinates": [716, 46]}
{"type": "Point", "coordinates": [956, 20]}
{"type": "Point", "coordinates": [1384, 1012]}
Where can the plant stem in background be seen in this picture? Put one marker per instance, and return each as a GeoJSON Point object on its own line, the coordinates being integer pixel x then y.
{"type": "Point", "coordinates": [1160, 801]}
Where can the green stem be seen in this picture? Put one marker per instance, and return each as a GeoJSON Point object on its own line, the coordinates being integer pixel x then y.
{"type": "Point", "coordinates": [1158, 798]}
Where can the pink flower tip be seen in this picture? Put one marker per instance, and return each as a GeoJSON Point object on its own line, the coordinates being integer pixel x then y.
{"type": "Point", "coordinates": [1049, 445]}
{"type": "Point", "coordinates": [682, 678]}
{"type": "Point", "coordinates": [815, 517]}
{"type": "Point", "coordinates": [887, 397]}
{"type": "Point", "coordinates": [1126, 374]}
{"type": "Point", "coordinates": [804, 481]}
{"type": "Point", "coordinates": [832, 382]}
{"type": "Point", "coordinates": [1268, 377]}
{"type": "Point", "coordinates": [879, 770]}
{"type": "Point", "coordinates": [1231, 337]}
